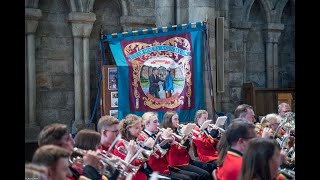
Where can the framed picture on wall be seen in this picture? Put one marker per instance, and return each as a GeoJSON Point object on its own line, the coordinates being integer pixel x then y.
{"type": "Point", "coordinates": [114, 99]}
{"type": "Point", "coordinates": [112, 78]}
{"type": "Point", "coordinates": [114, 113]}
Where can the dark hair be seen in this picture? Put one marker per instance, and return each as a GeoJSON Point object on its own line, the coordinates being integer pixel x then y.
{"type": "Point", "coordinates": [87, 139]}
{"type": "Point", "coordinates": [255, 163]}
{"type": "Point", "coordinates": [242, 108]}
{"type": "Point", "coordinates": [239, 128]}
{"type": "Point", "coordinates": [52, 134]}
{"type": "Point", "coordinates": [167, 120]}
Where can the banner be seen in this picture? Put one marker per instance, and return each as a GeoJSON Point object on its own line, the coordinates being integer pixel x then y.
{"type": "Point", "coordinates": [160, 69]}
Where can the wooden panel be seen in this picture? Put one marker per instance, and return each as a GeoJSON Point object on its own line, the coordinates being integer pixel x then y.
{"type": "Point", "coordinates": [108, 90]}
{"type": "Point", "coordinates": [266, 100]}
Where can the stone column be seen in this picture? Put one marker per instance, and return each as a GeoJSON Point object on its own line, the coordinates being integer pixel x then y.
{"type": "Point", "coordinates": [165, 13]}
{"type": "Point", "coordinates": [81, 29]}
{"type": "Point", "coordinates": [32, 17]}
{"type": "Point", "coordinates": [86, 82]}
{"type": "Point", "coordinates": [273, 32]}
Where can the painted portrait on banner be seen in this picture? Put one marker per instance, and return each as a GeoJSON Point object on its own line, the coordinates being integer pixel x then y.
{"type": "Point", "coordinates": [160, 71]}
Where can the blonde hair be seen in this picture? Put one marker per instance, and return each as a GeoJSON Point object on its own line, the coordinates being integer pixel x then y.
{"type": "Point", "coordinates": [199, 114]}
{"type": "Point", "coordinates": [106, 121]}
{"type": "Point", "coordinates": [271, 119]}
{"type": "Point", "coordinates": [283, 104]}
{"type": "Point", "coordinates": [147, 116]}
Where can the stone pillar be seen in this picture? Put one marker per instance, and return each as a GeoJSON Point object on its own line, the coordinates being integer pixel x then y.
{"type": "Point", "coordinates": [269, 64]}
{"type": "Point", "coordinates": [273, 32]}
{"type": "Point", "coordinates": [165, 13]}
{"type": "Point", "coordinates": [86, 82]}
{"type": "Point", "coordinates": [81, 29]}
{"type": "Point", "coordinates": [32, 17]}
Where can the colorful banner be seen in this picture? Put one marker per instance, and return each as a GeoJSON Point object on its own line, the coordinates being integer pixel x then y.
{"type": "Point", "coordinates": [160, 71]}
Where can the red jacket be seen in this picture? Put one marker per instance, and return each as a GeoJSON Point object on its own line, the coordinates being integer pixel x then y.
{"type": "Point", "coordinates": [205, 146]}
{"type": "Point", "coordinates": [230, 170]}
{"type": "Point", "coordinates": [116, 151]}
{"type": "Point", "coordinates": [157, 164]}
{"type": "Point", "coordinates": [178, 155]}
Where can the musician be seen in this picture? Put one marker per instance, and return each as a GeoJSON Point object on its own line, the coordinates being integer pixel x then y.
{"type": "Point", "coordinates": [178, 156]}
{"type": "Point", "coordinates": [231, 147]}
{"type": "Point", "coordinates": [283, 108]}
{"type": "Point", "coordinates": [245, 111]}
{"type": "Point", "coordinates": [55, 159]}
{"type": "Point", "coordinates": [159, 162]}
{"type": "Point", "coordinates": [87, 139]}
{"type": "Point", "coordinates": [130, 128]}
{"type": "Point", "coordinates": [261, 160]}
{"type": "Point", "coordinates": [205, 142]}
{"type": "Point", "coordinates": [108, 127]}
{"type": "Point", "coordinates": [58, 134]}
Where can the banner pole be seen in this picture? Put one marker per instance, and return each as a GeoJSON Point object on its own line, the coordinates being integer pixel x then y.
{"type": "Point", "coordinates": [207, 53]}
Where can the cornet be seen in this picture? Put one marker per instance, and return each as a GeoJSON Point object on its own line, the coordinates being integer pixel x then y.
{"type": "Point", "coordinates": [219, 128]}
{"type": "Point", "coordinates": [78, 161]}
{"type": "Point", "coordinates": [108, 159]}
{"type": "Point", "coordinates": [142, 154]}
{"type": "Point", "coordinates": [120, 164]}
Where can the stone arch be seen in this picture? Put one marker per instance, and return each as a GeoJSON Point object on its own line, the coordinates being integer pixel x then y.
{"type": "Point", "coordinates": [279, 10]}
{"type": "Point", "coordinates": [247, 8]}
{"type": "Point", "coordinates": [85, 6]}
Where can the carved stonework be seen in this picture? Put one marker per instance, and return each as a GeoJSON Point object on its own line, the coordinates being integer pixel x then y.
{"type": "Point", "coordinates": [273, 32]}
{"type": "Point", "coordinates": [81, 23]}
{"type": "Point", "coordinates": [32, 17]}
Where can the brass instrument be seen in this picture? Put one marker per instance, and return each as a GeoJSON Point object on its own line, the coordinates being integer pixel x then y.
{"type": "Point", "coordinates": [219, 128]}
{"type": "Point", "coordinates": [108, 159]}
{"type": "Point", "coordinates": [141, 154]}
{"type": "Point", "coordinates": [287, 172]}
{"type": "Point", "coordinates": [286, 141]}
{"type": "Point", "coordinates": [174, 135]}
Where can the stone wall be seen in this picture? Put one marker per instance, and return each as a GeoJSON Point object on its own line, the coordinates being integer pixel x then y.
{"type": "Point", "coordinates": [248, 26]}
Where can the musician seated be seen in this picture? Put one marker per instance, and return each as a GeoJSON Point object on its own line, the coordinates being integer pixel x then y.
{"type": "Point", "coordinates": [178, 156]}
{"type": "Point", "coordinates": [261, 160]}
{"type": "Point", "coordinates": [205, 142]}
{"type": "Point", "coordinates": [157, 161]}
{"type": "Point", "coordinates": [130, 128]}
